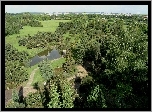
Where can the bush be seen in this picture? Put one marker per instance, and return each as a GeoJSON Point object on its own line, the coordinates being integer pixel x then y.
{"type": "Point", "coordinates": [15, 105]}
{"type": "Point", "coordinates": [34, 100]}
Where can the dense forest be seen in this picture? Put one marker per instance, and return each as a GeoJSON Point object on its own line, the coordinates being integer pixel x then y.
{"type": "Point", "coordinates": [113, 50]}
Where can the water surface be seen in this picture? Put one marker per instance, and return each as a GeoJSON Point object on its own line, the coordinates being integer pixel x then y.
{"type": "Point", "coordinates": [50, 55]}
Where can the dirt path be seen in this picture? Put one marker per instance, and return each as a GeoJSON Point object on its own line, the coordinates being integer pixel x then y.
{"type": "Point", "coordinates": [31, 77]}
{"type": "Point", "coordinates": [28, 88]}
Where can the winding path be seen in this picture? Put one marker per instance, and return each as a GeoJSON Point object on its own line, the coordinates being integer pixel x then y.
{"type": "Point", "coordinates": [31, 77]}
{"type": "Point", "coordinates": [29, 89]}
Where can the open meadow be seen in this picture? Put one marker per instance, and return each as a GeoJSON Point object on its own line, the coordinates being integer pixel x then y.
{"type": "Point", "coordinates": [48, 26]}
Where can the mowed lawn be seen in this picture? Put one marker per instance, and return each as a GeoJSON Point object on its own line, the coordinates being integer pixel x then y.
{"type": "Point", "coordinates": [48, 26]}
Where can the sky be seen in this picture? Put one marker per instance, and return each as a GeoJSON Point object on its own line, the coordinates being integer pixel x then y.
{"type": "Point", "coordinates": [134, 9]}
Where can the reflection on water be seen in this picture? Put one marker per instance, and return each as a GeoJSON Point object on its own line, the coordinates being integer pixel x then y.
{"type": "Point", "coordinates": [51, 55]}
{"type": "Point", "coordinates": [45, 52]}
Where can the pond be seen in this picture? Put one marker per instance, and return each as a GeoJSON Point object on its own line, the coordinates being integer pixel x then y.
{"type": "Point", "coordinates": [49, 54]}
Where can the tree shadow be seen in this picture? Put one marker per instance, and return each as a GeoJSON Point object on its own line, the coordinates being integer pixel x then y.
{"type": "Point", "coordinates": [46, 98]}
{"type": "Point", "coordinates": [79, 100]}
{"type": "Point", "coordinates": [77, 83]}
{"type": "Point", "coordinates": [36, 86]}
{"type": "Point", "coordinates": [59, 90]}
{"type": "Point", "coordinates": [83, 91]}
{"type": "Point", "coordinates": [44, 95]}
{"type": "Point", "coordinates": [20, 94]}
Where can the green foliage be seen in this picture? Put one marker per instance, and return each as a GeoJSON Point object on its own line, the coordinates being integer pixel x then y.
{"type": "Point", "coordinates": [23, 42]}
{"type": "Point", "coordinates": [15, 22]}
{"type": "Point", "coordinates": [96, 98]}
{"type": "Point", "coordinates": [46, 70]}
{"type": "Point", "coordinates": [87, 79]}
{"type": "Point", "coordinates": [15, 105]}
{"type": "Point", "coordinates": [114, 48]}
{"type": "Point", "coordinates": [67, 95]}
{"type": "Point", "coordinates": [12, 53]}
{"type": "Point", "coordinates": [121, 92]}
{"type": "Point", "coordinates": [15, 74]}
{"type": "Point", "coordinates": [12, 25]}
{"type": "Point", "coordinates": [54, 96]}
{"type": "Point", "coordinates": [39, 40]}
{"type": "Point", "coordinates": [61, 95]}
{"type": "Point", "coordinates": [15, 96]}
{"type": "Point", "coordinates": [34, 23]}
{"type": "Point", "coordinates": [118, 56]}
{"type": "Point", "coordinates": [15, 101]}
{"type": "Point", "coordinates": [34, 100]}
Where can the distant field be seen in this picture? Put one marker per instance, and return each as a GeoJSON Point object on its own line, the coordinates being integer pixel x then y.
{"type": "Point", "coordinates": [48, 26]}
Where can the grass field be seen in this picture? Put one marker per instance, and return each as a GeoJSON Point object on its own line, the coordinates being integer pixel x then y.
{"type": "Point", "coordinates": [57, 63]}
{"type": "Point", "coordinates": [48, 26]}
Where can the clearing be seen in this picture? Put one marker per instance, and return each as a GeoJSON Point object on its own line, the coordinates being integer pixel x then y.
{"type": "Point", "coordinates": [48, 26]}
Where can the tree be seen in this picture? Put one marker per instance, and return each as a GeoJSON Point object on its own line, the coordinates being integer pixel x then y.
{"type": "Point", "coordinates": [96, 98]}
{"type": "Point", "coordinates": [34, 100]}
{"type": "Point", "coordinates": [46, 71]}
{"type": "Point", "coordinates": [15, 96]}
{"type": "Point", "coordinates": [15, 103]}
{"type": "Point", "coordinates": [54, 95]}
{"type": "Point", "coordinates": [68, 95]}
{"type": "Point", "coordinates": [113, 54]}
